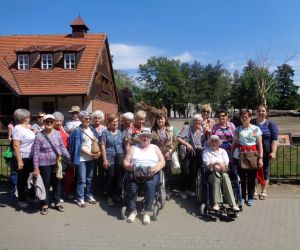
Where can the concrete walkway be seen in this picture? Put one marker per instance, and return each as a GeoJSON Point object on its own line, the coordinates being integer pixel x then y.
{"type": "Point", "coordinates": [270, 224]}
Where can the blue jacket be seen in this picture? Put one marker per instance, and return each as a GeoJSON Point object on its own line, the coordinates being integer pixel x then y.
{"type": "Point", "coordinates": [75, 143]}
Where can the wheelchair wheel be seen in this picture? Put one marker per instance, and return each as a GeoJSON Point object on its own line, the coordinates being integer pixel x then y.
{"type": "Point", "coordinates": [199, 191]}
{"type": "Point", "coordinates": [162, 190]}
{"type": "Point", "coordinates": [123, 214]}
{"type": "Point", "coordinates": [203, 209]}
{"type": "Point", "coordinates": [155, 212]}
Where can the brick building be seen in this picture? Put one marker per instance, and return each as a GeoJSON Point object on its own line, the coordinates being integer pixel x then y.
{"type": "Point", "coordinates": [55, 72]}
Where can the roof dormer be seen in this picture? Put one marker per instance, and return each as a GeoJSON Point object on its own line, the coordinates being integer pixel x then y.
{"type": "Point", "coordinates": [79, 28]}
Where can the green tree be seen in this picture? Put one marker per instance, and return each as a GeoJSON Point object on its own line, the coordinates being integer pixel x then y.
{"type": "Point", "coordinates": [162, 80]}
{"type": "Point", "coordinates": [285, 87]}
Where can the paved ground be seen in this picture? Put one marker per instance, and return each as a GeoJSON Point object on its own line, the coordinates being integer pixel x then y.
{"type": "Point", "coordinates": [270, 224]}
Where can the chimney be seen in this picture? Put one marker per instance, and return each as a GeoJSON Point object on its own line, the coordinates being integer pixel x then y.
{"type": "Point", "coordinates": [79, 28]}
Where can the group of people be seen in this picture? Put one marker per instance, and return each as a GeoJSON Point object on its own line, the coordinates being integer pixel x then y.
{"type": "Point", "coordinates": [116, 148]}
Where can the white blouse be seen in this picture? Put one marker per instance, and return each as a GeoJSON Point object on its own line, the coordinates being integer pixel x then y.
{"type": "Point", "coordinates": [211, 157]}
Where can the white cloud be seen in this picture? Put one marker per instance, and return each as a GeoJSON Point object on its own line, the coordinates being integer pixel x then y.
{"type": "Point", "coordinates": [184, 57]}
{"type": "Point", "coordinates": [127, 57]}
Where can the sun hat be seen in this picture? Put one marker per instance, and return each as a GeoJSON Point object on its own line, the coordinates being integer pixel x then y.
{"type": "Point", "coordinates": [74, 109]}
{"type": "Point", "coordinates": [48, 116]}
{"type": "Point", "coordinates": [145, 131]}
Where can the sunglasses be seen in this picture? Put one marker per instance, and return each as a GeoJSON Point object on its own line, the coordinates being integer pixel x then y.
{"type": "Point", "coordinates": [205, 111]}
{"type": "Point", "coordinates": [40, 116]}
{"type": "Point", "coordinates": [222, 115]}
{"type": "Point", "coordinates": [87, 118]}
{"type": "Point", "coordinates": [49, 121]}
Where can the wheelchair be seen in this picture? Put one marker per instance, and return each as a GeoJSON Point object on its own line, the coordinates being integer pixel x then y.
{"type": "Point", "coordinates": [204, 197]}
{"type": "Point", "coordinates": [159, 199]}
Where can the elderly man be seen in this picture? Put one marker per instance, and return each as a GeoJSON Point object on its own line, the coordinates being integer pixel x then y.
{"type": "Point", "coordinates": [74, 122]}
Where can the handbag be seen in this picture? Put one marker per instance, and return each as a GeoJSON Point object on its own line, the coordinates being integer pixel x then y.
{"type": "Point", "coordinates": [95, 149]}
{"type": "Point", "coordinates": [175, 161]}
{"type": "Point", "coordinates": [142, 174]}
{"type": "Point", "coordinates": [249, 160]}
{"type": "Point", "coordinates": [61, 160]}
{"type": "Point", "coordinates": [59, 168]}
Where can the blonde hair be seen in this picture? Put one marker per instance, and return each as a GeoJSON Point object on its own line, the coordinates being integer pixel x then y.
{"type": "Point", "coordinates": [140, 114]}
{"type": "Point", "coordinates": [111, 117]}
{"type": "Point", "coordinates": [206, 107]}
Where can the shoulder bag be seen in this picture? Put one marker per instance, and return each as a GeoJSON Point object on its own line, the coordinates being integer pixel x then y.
{"type": "Point", "coordinates": [248, 160]}
{"type": "Point", "coordinates": [95, 146]}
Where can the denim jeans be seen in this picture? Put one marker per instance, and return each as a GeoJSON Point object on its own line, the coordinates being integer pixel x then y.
{"type": "Point", "coordinates": [49, 178]}
{"type": "Point", "coordinates": [84, 178]}
{"type": "Point", "coordinates": [132, 188]}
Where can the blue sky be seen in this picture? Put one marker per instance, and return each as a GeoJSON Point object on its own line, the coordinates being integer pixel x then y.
{"type": "Point", "coordinates": [232, 31]}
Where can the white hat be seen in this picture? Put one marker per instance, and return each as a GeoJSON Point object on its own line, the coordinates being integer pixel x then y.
{"type": "Point", "coordinates": [74, 109]}
{"type": "Point", "coordinates": [145, 131]}
{"type": "Point", "coordinates": [48, 116]}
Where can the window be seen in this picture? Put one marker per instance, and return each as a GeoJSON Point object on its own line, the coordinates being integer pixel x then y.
{"type": "Point", "coordinates": [69, 61]}
{"type": "Point", "coordinates": [23, 61]}
{"type": "Point", "coordinates": [46, 61]}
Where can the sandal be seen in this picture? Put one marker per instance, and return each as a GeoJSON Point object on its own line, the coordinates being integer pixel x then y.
{"type": "Point", "coordinates": [60, 208]}
{"type": "Point", "coordinates": [255, 196]}
{"type": "Point", "coordinates": [263, 196]}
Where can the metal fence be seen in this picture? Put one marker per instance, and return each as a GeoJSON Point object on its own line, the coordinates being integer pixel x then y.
{"type": "Point", "coordinates": [285, 167]}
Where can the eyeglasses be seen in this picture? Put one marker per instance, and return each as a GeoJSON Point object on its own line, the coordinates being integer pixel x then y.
{"type": "Point", "coordinates": [49, 121]}
{"type": "Point", "coordinates": [40, 116]}
{"type": "Point", "coordinates": [222, 115]}
{"type": "Point", "coordinates": [244, 117]}
{"type": "Point", "coordinates": [87, 118]}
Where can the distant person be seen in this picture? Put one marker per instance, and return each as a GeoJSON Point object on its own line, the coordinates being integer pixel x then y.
{"type": "Point", "coordinates": [74, 122]}
{"type": "Point", "coordinates": [269, 141]}
{"type": "Point", "coordinates": [39, 125]}
{"type": "Point", "coordinates": [207, 123]}
{"type": "Point", "coordinates": [97, 120]}
{"type": "Point", "coordinates": [23, 139]}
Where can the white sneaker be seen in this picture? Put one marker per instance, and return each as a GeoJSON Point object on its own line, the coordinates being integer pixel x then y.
{"type": "Point", "coordinates": [216, 207]}
{"type": "Point", "coordinates": [91, 200]}
{"type": "Point", "coordinates": [131, 217]}
{"type": "Point", "coordinates": [235, 208]}
{"type": "Point", "coordinates": [81, 203]}
{"type": "Point", "coordinates": [146, 219]}
{"type": "Point", "coordinates": [183, 195]}
{"type": "Point", "coordinates": [61, 201]}
{"type": "Point", "coordinates": [23, 204]}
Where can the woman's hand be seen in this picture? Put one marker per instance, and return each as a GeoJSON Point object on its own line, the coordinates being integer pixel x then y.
{"type": "Point", "coordinates": [272, 156]}
{"type": "Point", "coordinates": [154, 169]}
{"type": "Point", "coordinates": [189, 147]}
{"type": "Point", "coordinates": [20, 165]}
{"type": "Point", "coordinates": [105, 164]}
{"type": "Point", "coordinates": [260, 163]}
{"type": "Point", "coordinates": [167, 155]}
{"type": "Point", "coordinates": [36, 172]}
{"type": "Point", "coordinates": [129, 167]}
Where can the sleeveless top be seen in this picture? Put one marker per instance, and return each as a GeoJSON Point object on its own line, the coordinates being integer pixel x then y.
{"type": "Point", "coordinates": [146, 158]}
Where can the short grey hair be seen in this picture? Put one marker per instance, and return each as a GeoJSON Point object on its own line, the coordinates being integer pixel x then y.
{"type": "Point", "coordinates": [20, 115]}
{"type": "Point", "coordinates": [128, 116]}
{"type": "Point", "coordinates": [98, 114]}
{"type": "Point", "coordinates": [58, 116]}
{"type": "Point", "coordinates": [197, 117]}
{"type": "Point", "coordinates": [83, 114]}
{"type": "Point", "coordinates": [140, 114]}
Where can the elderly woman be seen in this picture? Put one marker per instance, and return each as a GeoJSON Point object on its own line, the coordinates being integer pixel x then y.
{"type": "Point", "coordinates": [142, 154]}
{"type": "Point", "coordinates": [83, 158]}
{"type": "Point", "coordinates": [215, 160]}
{"type": "Point", "coordinates": [111, 145]}
{"type": "Point", "coordinates": [269, 141]}
{"type": "Point", "coordinates": [69, 173]}
{"type": "Point", "coordinates": [39, 125]}
{"type": "Point", "coordinates": [164, 137]}
{"type": "Point", "coordinates": [207, 123]}
{"type": "Point", "coordinates": [97, 119]}
{"type": "Point", "coordinates": [247, 137]}
{"type": "Point", "coordinates": [23, 139]}
{"type": "Point", "coordinates": [138, 125]}
{"type": "Point", "coordinates": [191, 154]}
{"type": "Point", "coordinates": [48, 144]}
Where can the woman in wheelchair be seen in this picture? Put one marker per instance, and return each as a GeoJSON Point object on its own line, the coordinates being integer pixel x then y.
{"type": "Point", "coordinates": [215, 160]}
{"type": "Point", "coordinates": [144, 155]}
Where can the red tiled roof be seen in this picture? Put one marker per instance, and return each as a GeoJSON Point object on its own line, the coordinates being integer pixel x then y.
{"type": "Point", "coordinates": [58, 80]}
{"type": "Point", "coordinates": [78, 22]}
